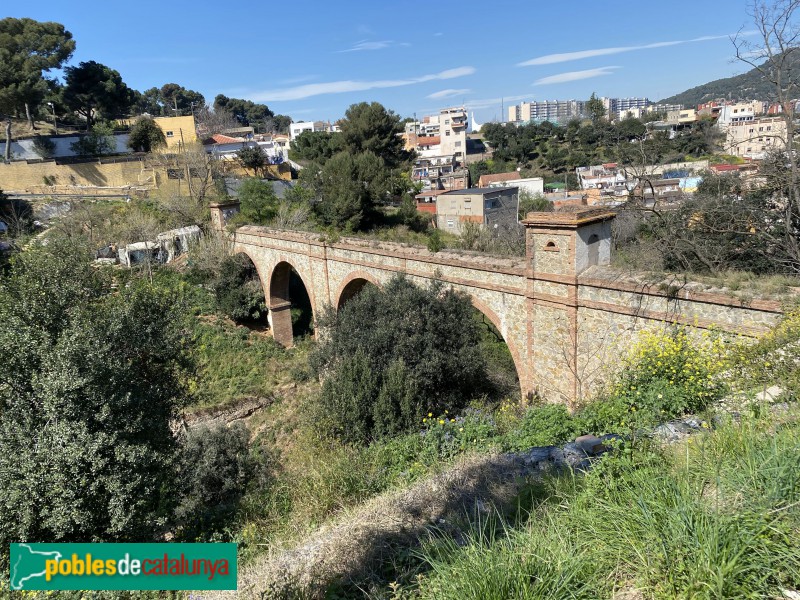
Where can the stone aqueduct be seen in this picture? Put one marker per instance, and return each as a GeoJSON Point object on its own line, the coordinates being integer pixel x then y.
{"type": "Point", "coordinates": [565, 315]}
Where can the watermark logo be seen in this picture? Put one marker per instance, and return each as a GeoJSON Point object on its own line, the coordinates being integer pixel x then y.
{"type": "Point", "coordinates": [123, 567]}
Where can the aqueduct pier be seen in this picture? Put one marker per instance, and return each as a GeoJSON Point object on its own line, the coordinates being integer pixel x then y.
{"type": "Point", "coordinates": [565, 315]}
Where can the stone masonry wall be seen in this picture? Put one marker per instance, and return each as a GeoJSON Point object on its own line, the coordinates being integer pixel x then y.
{"type": "Point", "coordinates": [564, 330]}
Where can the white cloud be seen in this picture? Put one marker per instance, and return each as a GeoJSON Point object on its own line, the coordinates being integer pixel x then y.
{"type": "Point", "coordinates": [493, 102]}
{"type": "Point", "coordinates": [368, 45]}
{"type": "Point", "coordinates": [338, 87]}
{"type": "Point", "coordinates": [575, 75]}
{"type": "Point", "coordinates": [449, 93]}
{"type": "Point", "coordinates": [550, 59]}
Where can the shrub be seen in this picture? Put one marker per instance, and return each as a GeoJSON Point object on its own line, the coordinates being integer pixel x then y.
{"type": "Point", "coordinates": [214, 467]}
{"type": "Point", "coordinates": [435, 243]}
{"type": "Point", "coordinates": [146, 136]}
{"type": "Point", "coordinates": [238, 290]}
{"type": "Point", "coordinates": [258, 204]}
{"type": "Point", "coordinates": [390, 356]}
{"type": "Point", "coordinates": [773, 359]}
{"type": "Point", "coordinates": [544, 425]}
{"type": "Point", "coordinates": [90, 382]}
{"type": "Point", "coordinates": [99, 141]}
{"type": "Point", "coordinates": [665, 375]}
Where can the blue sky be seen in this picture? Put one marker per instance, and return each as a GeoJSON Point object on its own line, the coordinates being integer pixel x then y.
{"type": "Point", "coordinates": [311, 60]}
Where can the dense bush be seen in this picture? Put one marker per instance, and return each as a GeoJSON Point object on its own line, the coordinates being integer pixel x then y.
{"type": "Point", "coordinates": [214, 466]}
{"type": "Point", "coordinates": [390, 356]}
{"type": "Point", "coordinates": [238, 289]}
{"type": "Point", "coordinates": [89, 383]}
{"type": "Point", "coordinates": [146, 135]}
{"type": "Point", "coordinates": [258, 204]}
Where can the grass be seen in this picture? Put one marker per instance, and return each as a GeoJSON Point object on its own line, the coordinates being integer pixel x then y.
{"type": "Point", "coordinates": [716, 518]}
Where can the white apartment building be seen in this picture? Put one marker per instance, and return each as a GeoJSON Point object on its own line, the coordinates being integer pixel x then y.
{"type": "Point", "coordinates": [617, 106]}
{"type": "Point", "coordinates": [739, 112]}
{"type": "Point", "coordinates": [296, 129]}
{"type": "Point", "coordinates": [554, 111]}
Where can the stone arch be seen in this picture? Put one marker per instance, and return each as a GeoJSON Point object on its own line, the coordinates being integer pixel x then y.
{"type": "Point", "coordinates": [280, 304]}
{"type": "Point", "coordinates": [519, 365]}
{"type": "Point", "coordinates": [352, 285]}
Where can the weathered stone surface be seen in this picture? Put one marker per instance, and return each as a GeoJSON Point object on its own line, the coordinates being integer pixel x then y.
{"type": "Point", "coordinates": [590, 444]}
{"type": "Point", "coordinates": [770, 394]}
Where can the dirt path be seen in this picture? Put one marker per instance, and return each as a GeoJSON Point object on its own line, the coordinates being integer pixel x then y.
{"type": "Point", "coordinates": [352, 546]}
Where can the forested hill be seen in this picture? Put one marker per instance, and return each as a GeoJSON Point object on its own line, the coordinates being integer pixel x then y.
{"type": "Point", "coordinates": [747, 86]}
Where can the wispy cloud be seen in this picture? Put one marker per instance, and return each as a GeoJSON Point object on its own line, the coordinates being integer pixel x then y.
{"type": "Point", "coordinates": [550, 59]}
{"type": "Point", "coordinates": [338, 87]}
{"type": "Point", "coordinates": [575, 75]}
{"type": "Point", "coordinates": [493, 102]}
{"type": "Point", "coordinates": [373, 45]}
{"type": "Point", "coordinates": [448, 93]}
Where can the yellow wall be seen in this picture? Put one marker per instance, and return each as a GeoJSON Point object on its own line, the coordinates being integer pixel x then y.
{"type": "Point", "coordinates": [23, 177]}
{"type": "Point", "coordinates": [182, 129]}
{"type": "Point", "coordinates": [88, 179]}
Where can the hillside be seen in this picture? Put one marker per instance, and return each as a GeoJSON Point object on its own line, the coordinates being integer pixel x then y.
{"type": "Point", "coordinates": [747, 86]}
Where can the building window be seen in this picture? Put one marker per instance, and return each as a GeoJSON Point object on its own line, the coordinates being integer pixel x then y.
{"type": "Point", "coordinates": [447, 133]}
{"type": "Point", "coordinates": [447, 121]}
{"type": "Point", "coordinates": [458, 144]}
{"type": "Point", "coordinates": [169, 134]}
{"type": "Point", "coordinates": [769, 127]}
{"type": "Point", "coordinates": [450, 223]}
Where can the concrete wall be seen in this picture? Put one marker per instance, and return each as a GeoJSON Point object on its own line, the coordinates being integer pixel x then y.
{"type": "Point", "coordinates": [566, 321]}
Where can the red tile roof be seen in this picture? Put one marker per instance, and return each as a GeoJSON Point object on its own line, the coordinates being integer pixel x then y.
{"type": "Point", "coordinates": [218, 138]}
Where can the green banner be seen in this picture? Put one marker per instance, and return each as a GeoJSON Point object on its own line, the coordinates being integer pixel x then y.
{"type": "Point", "coordinates": [123, 566]}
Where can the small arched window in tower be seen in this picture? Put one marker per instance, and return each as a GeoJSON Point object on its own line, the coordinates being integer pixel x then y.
{"type": "Point", "coordinates": [551, 246]}
{"type": "Point", "coordinates": [594, 250]}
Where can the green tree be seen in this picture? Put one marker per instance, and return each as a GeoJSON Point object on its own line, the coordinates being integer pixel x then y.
{"type": "Point", "coordinates": [258, 202]}
{"type": "Point", "coordinates": [595, 108]}
{"type": "Point", "coordinates": [146, 136]}
{"type": "Point", "coordinates": [389, 356]}
{"type": "Point", "coordinates": [28, 50]}
{"type": "Point", "coordinates": [352, 187]}
{"type": "Point", "coordinates": [93, 88]}
{"type": "Point", "coordinates": [317, 146]}
{"type": "Point", "coordinates": [89, 384]}
{"type": "Point", "coordinates": [177, 100]}
{"type": "Point", "coordinates": [148, 102]}
{"type": "Point", "coordinates": [252, 157]}
{"type": "Point", "coordinates": [246, 112]}
{"type": "Point", "coordinates": [369, 127]}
